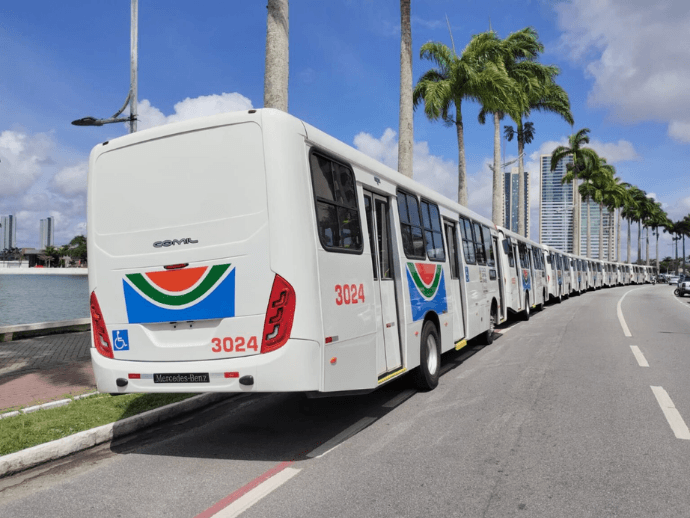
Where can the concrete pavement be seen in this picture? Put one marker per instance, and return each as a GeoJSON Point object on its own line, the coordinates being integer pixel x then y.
{"type": "Point", "coordinates": [42, 369]}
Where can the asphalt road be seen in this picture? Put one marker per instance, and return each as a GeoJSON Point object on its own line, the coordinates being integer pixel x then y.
{"type": "Point", "coordinates": [556, 418]}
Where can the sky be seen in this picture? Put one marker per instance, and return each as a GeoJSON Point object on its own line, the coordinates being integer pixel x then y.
{"type": "Point", "coordinates": [624, 63]}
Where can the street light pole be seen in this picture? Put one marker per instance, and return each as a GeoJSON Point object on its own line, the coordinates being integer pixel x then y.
{"type": "Point", "coordinates": [132, 95]}
{"type": "Point", "coordinates": [134, 37]}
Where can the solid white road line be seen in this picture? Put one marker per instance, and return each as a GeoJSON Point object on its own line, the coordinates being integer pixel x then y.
{"type": "Point", "coordinates": [342, 436]}
{"type": "Point", "coordinates": [626, 331]}
{"type": "Point", "coordinates": [672, 415]}
{"type": "Point", "coordinates": [679, 301]}
{"type": "Point", "coordinates": [250, 498]}
{"type": "Point", "coordinates": [399, 398]}
{"type": "Point", "coordinates": [641, 360]}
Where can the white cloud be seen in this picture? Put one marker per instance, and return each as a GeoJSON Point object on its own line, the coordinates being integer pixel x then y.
{"type": "Point", "coordinates": [433, 171]}
{"type": "Point", "coordinates": [679, 131]}
{"type": "Point", "coordinates": [71, 181]}
{"type": "Point", "coordinates": [149, 116]}
{"type": "Point", "coordinates": [636, 52]}
{"type": "Point", "coordinates": [21, 159]}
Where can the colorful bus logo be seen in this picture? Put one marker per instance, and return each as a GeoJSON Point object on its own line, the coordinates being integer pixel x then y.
{"type": "Point", "coordinates": [427, 289]}
{"type": "Point", "coordinates": [526, 282]}
{"type": "Point", "coordinates": [200, 293]}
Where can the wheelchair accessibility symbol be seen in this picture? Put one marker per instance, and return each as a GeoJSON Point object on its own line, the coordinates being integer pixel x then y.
{"type": "Point", "coordinates": [121, 340]}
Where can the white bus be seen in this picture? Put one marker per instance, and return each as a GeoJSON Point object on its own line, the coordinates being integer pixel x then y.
{"type": "Point", "coordinates": [252, 252]}
{"type": "Point", "coordinates": [523, 270]}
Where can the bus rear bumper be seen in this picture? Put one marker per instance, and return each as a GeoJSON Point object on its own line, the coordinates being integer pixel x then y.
{"type": "Point", "coordinates": [295, 367]}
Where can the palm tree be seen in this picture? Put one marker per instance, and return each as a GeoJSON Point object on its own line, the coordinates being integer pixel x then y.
{"type": "Point", "coordinates": [629, 212]}
{"type": "Point", "coordinates": [635, 211]}
{"type": "Point", "coordinates": [657, 219]}
{"type": "Point", "coordinates": [602, 184]}
{"type": "Point", "coordinates": [515, 49]}
{"type": "Point", "coordinates": [577, 150]}
{"type": "Point", "coordinates": [543, 94]}
{"type": "Point", "coordinates": [277, 56]}
{"type": "Point", "coordinates": [473, 76]}
{"type": "Point", "coordinates": [614, 199]}
{"type": "Point", "coordinates": [592, 167]}
{"type": "Point", "coordinates": [406, 133]}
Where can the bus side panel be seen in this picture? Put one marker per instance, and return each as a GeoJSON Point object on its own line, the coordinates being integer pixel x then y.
{"type": "Point", "coordinates": [292, 225]}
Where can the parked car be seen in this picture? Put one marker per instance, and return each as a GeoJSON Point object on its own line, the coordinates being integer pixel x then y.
{"type": "Point", "coordinates": [683, 288]}
{"type": "Point", "coordinates": [673, 279]}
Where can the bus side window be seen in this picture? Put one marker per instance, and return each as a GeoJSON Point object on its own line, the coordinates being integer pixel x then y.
{"type": "Point", "coordinates": [431, 221]}
{"type": "Point", "coordinates": [508, 250]}
{"type": "Point", "coordinates": [489, 245]}
{"type": "Point", "coordinates": [337, 215]}
{"type": "Point", "coordinates": [522, 252]}
{"type": "Point", "coordinates": [452, 249]}
{"type": "Point", "coordinates": [370, 229]}
{"type": "Point", "coordinates": [467, 241]}
{"type": "Point", "coordinates": [411, 226]}
{"type": "Point", "coordinates": [479, 244]}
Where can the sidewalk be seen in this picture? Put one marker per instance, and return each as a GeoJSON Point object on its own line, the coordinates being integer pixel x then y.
{"type": "Point", "coordinates": [45, 368]}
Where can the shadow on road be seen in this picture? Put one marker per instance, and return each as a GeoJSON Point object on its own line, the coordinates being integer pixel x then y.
{"type": "Point", "coordinates": [273, 427]}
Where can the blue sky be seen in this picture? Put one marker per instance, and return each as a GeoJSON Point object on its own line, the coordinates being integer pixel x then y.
{"type": "Point", "coordinates": [624, 64]}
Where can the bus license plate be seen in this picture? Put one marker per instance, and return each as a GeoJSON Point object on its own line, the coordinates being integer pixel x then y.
{"type": "Point", "coordinates": [196, 377]}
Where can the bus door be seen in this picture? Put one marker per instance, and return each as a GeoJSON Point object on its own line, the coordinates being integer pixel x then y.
{"type": "Point", "coordinates": [501, 286]}
{"type": "Point", "coordinates": [458, 308]}
{"type": "Point", "coordinates": [388, 354]}
{"type": "Point", "coordinates": [518, 274]}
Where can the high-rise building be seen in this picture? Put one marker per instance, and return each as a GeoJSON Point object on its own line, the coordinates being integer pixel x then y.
{"type": "Point", "coordinates": [555, 205]}
{"type": "Point", "coordinates": [8, 232]}
{"type": "Point", "coordinates": [556, 213]}
{"type": "Point", "coordinates": [609, 232]}
{"type": "Point", "coordinates": [47, 237]}
{"type": "Point", "coordinates": [510, 200]}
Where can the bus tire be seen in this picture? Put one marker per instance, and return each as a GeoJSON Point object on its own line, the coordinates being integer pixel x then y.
{"type": "Point", "coordinates": [525, 313]}
{"type": "Point", "coordinates": [425, 376]}
{"type": "Point", "coordinates": [488, 337]}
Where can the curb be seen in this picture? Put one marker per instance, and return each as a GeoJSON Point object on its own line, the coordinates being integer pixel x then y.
{"type": "Point", "coordinates": [30, 457]}
{"type": "Point", "coordinates": [45, 406]}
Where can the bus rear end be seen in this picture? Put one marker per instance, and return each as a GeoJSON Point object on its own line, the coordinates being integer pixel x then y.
{"type": "Point", "coordinates": [183, 294]}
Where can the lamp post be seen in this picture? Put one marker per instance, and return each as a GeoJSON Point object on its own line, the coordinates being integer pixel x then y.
{"type": "Point", "coordinates": [132, 95]}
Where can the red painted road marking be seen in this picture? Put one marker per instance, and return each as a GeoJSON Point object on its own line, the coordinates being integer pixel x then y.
{"type": "Point", "coordinates": [244, 490]}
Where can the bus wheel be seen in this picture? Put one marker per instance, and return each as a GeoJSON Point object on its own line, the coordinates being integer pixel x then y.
{"type": "Point", "coordinates": [488, 337]}
{"type": "Point", "coordinates": [426, 375]}
{"type": "Point", "coordinates": [525, 313]}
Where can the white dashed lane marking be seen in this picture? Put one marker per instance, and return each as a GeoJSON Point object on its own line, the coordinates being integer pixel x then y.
{"type": "Point", "coordinates": [680, 429]}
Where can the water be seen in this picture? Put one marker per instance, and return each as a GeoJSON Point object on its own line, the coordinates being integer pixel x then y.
{"type": "Point", "coordinates": [26, 299]}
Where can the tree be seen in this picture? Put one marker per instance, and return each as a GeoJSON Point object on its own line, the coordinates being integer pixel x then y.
{"type": "Point", "coordinates": [513, 51]}
{"type": "Point", "coordinates": [537, 82]}
{"type": "Point", "coordinates": [657, 219]}
{"type": "Point", "coordinates": [614, 199]}
{"type": "Point", "coordinates": [577, 150]}
{"type": "Point", "coordinates": [473, 76]}
{"type": "Point", "coordinates": [77, 249]}
{"type": "Point", "coordinates": [601, 183]}
{"type": "Point", "coordinates": [406, 133]}
{"type": "Point", "coordinates": [53, 254]}
{"type": "Point", "coordinates": [277, 56]}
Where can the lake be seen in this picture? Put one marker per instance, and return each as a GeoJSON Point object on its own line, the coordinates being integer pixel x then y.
{"type": "Point", "coordinates": [27, 299]}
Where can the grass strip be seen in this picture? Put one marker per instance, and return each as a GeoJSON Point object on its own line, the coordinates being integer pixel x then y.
{"type": "Point", "coordinates": [26, 430]}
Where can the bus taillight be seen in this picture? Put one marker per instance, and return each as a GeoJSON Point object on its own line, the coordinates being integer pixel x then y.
{"type": "Point", "coordinates": [100, 333]}
{"type": "Point", "coordinates": [279, 316]}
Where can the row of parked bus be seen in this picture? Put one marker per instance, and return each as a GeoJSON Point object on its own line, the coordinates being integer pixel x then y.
{"type": "Point", "coordinates": [251, 252]}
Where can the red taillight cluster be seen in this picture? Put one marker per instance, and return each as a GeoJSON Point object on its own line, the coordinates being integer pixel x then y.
{"type": "Point", "coordinates": [279, 316]}
{"type": "Point", "coordinates": [100, 333]}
